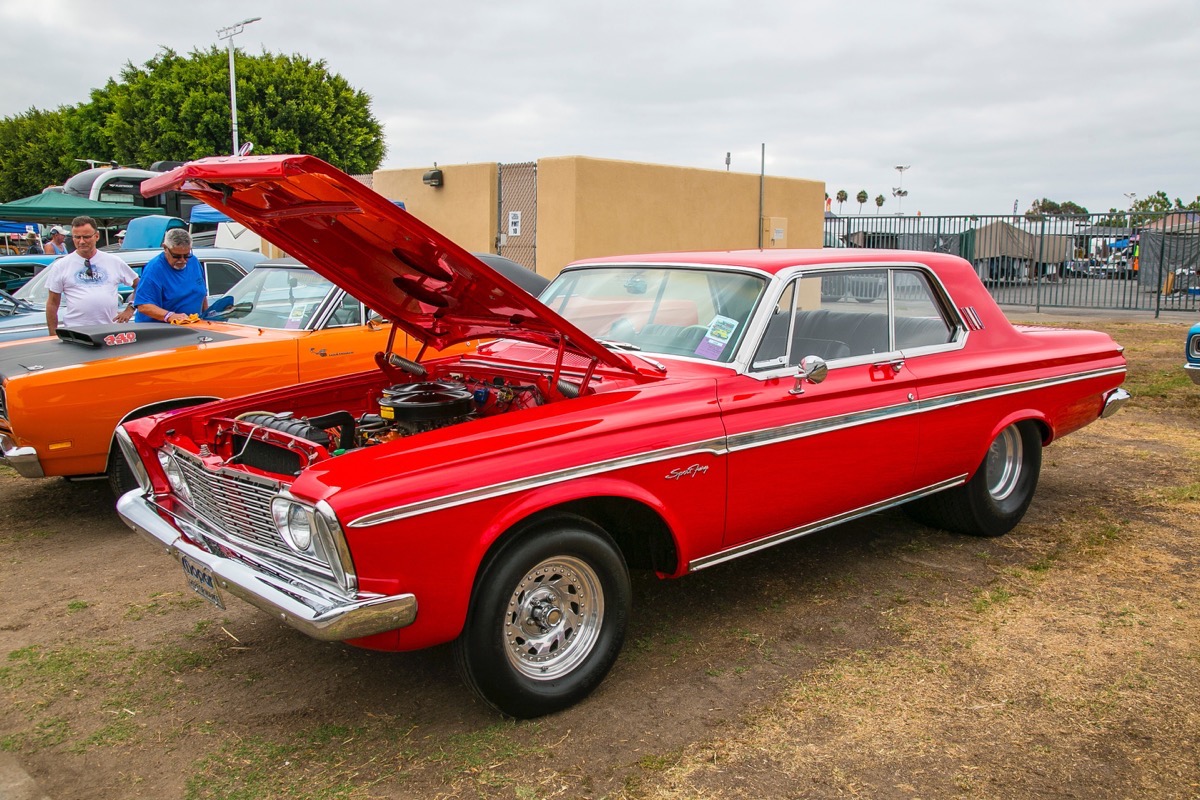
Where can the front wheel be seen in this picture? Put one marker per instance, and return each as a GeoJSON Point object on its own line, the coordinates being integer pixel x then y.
{"type": "Point", "coordinates": [120, 475]}
{"type": "Point", "coordinates": [996, 497]}
{"type": "Point", "coordinates": [547, 620]}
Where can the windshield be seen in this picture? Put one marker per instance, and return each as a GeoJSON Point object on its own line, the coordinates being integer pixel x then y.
{"type": "Point", "coordinates": [273, 297]}
{"type": "Point", "coordinates": [35, 291]}
{"type": "Point", "coordinates": [668, 310]}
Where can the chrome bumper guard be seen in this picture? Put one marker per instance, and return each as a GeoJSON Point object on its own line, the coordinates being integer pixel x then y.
{"type": "Point", "coordinates": [23, 459]}
{"type": "Point", "coordinates": [311, 610]}
{"type": "Point", "coordinates": [1113, 402]}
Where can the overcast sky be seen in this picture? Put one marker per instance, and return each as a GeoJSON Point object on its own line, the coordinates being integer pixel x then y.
{"type": "Point", "coordinates": [989, 102]}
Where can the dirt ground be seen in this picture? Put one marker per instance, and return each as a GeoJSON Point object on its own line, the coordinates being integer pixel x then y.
{"type": "Point", "coordinates": [878, 659]}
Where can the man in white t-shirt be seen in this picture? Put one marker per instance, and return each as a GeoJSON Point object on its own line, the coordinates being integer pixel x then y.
{"type": "Point", "coordinates": [86, 282]}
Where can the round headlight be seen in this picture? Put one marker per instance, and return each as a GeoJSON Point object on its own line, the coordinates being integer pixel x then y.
{"type": "Point", "coordinates": [300, 527]}
{"type": "Point", "coordinates": [174, 474]}
{"type": "Point", "coordinates": [294, 522]}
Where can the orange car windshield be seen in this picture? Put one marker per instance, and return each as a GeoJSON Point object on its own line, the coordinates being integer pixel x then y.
{"type": "Point", "coordinates": [270, 297]}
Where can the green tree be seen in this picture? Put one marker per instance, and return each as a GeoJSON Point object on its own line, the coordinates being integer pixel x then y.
{"type": "Point", "coordinates": [176, 108]}
{"type": "Point", "coordinates": [841, 198]}
{"type": "Point", "coordinates": [33, 153]}
{"type": "Point", "coordinates": [861, 197]}
{"type": "Point", "coordinates": [879, 204]}
{"type": "Point", "coordinates": [1048, 208]}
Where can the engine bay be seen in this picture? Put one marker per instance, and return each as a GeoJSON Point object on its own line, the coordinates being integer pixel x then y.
{"type": "Point", "coordinates": [283, 441]}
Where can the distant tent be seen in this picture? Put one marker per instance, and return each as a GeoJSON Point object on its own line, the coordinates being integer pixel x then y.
{"type": "Point", "coordinates": [54, 207]}
{"type": "Point", "coordinates": [204, 213]}
{"type": "Point", "coordinates": [15, 227]}
{"type": "Point", "coordinates": [1000, 239]}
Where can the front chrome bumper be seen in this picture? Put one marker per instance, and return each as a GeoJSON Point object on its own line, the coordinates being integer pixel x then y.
{"type": "Point", "coordinates": [23, 459]}
{"type": "Point", "coordinates": [1193, 372]}
{"type": "Point", "coordinates": [317, 613]}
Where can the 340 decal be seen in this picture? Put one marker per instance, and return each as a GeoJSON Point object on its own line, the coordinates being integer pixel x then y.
{"type": "Point", "coordinates": [125, 337]}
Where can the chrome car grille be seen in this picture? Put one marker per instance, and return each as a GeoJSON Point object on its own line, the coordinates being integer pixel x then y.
{"type": "Point", "coordinates": [236, 510]}
{"type": "Point", "coordinates": [3, 403]}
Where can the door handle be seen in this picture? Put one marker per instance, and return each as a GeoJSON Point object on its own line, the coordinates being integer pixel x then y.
{"type": "Point", "coordinates": [894, 366]}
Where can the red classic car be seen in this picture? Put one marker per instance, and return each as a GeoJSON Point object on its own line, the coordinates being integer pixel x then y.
{"type": "Point", "coordinates": [668, 412]}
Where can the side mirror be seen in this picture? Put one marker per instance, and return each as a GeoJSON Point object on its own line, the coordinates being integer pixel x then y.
{"type": "Point", "coordinates": [812, 369]}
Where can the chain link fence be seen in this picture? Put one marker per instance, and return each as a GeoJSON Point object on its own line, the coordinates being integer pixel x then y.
{"type": "Point", "coordinates": [516, 213]}
{"type": "Point", "coordinates": [1143, 262]}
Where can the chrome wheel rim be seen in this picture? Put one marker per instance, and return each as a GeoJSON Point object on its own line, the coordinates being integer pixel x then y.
{"type": "Point", "coordinates": [1004, 461]}
{"type": "Point", "coordinates": [553, 618]}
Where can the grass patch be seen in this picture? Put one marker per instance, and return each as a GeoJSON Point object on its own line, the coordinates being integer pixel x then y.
{"type": "Point", "coordinates": [311, 765]}
{"type": "Point", "coordinates": [76, 605]}
{"type": "Point", "coordinates": [162, 603]}
{"type": "Point", "coordinates": [985, 599]}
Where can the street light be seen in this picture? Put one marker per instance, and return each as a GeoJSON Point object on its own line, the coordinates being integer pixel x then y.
{"type": "Point", "coordinates": [228, 33]}
{"type": "Point", "coordinates": [898, 192]}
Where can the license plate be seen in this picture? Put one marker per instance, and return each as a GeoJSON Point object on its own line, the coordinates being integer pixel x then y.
{"type": "Point", "coordinates": [201, 581]}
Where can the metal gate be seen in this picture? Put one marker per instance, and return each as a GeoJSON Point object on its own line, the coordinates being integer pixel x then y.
{"type": "Point", "coordinates": [1139, 261]}
{"type": "Point", "coordinates": [516, 213]}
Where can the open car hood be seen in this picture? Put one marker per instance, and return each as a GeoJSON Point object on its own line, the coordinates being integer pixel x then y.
{"type": "Point", "coordinates": [381, 254]}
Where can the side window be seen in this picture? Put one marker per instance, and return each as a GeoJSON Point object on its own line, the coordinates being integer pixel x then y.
{"type": "Point", "coordinates": [348, 312]}
{"type": "Point", "coordinates": [774, 344]}
{"type": "Point", "coordinates": [221, 276]}
{"type": "Point", "coordinates": [844, 314]}
{"type": "Point", "coordinates": [920, 321]}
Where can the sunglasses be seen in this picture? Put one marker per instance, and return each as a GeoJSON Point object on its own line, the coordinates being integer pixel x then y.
{"type": "Point", "coordinates": [88, 266]}
{"type": "Point", "coordinates": [176, 256]}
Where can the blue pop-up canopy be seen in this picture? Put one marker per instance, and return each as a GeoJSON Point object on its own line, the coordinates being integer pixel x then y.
{"type": "Point", "coordinates": [15, 227]}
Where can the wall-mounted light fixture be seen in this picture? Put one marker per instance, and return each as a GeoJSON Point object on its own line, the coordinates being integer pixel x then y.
{"type": "Point", "coordinates": [433, 177]}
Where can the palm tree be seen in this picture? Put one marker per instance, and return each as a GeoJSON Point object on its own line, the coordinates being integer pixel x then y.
{"type": "Point", "coordinates": [861, 197]}
{"type": "Point", "coordinates": [841, 198]}
{"type": "Point", "coordinates": [878, 203]}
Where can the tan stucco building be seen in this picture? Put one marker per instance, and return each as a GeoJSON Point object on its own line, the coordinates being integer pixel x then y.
{"type": "Point", "coordinates": [548, 214]}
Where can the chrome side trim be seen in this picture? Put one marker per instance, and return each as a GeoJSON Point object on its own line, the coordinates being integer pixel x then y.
{"type": "Point", "coordinates": [718, 447]}
{"type": "Point", "coordinates": [800, 430]}
{"type": "Point", "coordinates": [962, 398]}
{"type": "Point", "coordinates": [23, 459]}
{"type": "Point", "coordinates": [305, 607]}
{"type": "Point", "coordinates": [795, 533]}
{"type": "Point", "coordinates": [715, 447]}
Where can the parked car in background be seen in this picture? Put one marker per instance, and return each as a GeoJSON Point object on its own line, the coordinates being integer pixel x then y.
{"type": "Point", "coordinates": [1191, 364]}
{"type": "Point", "coordinates": [62, 399]}
{"type": "Point", "coordinates": [16, 271]}
{"type": "Point", "coordinates": [222, 269]}
{"type": "Point", "coordinates": [670, 411]}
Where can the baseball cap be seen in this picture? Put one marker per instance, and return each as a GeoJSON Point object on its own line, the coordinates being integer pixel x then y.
{"type": "Point", "coordinates": [121, 233]}
{"type": "Point", "coordinates": [60, 229]}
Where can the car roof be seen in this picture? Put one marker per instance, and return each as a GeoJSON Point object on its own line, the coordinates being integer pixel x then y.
{"type": "Point", "coordinates": [773, 261]}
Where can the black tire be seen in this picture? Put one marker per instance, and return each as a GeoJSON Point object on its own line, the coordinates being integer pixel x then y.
{"type": "Point", "coordinates": [547, 619]}
{"type": "Point", "coordinates": [996, 497]}
{"type": "Point", "coordinates": [120, 476]}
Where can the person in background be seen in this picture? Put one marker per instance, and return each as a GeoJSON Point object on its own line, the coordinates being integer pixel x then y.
{"type": "Point", "coordinates": [35, 245]}
{"type": "Point", "coordinates": [121, 238]}
{"type": "Point", "coordinates": [87, 282]}
{"type": "Point", "coordinates": [172, 287]}
{"type": "Point", "coordinates": [57, 244]}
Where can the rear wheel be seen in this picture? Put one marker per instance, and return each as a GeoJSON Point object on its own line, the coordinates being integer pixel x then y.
{"type": "Point", "coordinates": [547, 620]}
{"type": "Point", "coordinates": [996, 497]}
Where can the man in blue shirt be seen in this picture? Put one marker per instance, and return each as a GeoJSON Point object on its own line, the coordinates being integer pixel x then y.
{"type": "Point", "coordinates": [172, 285]}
